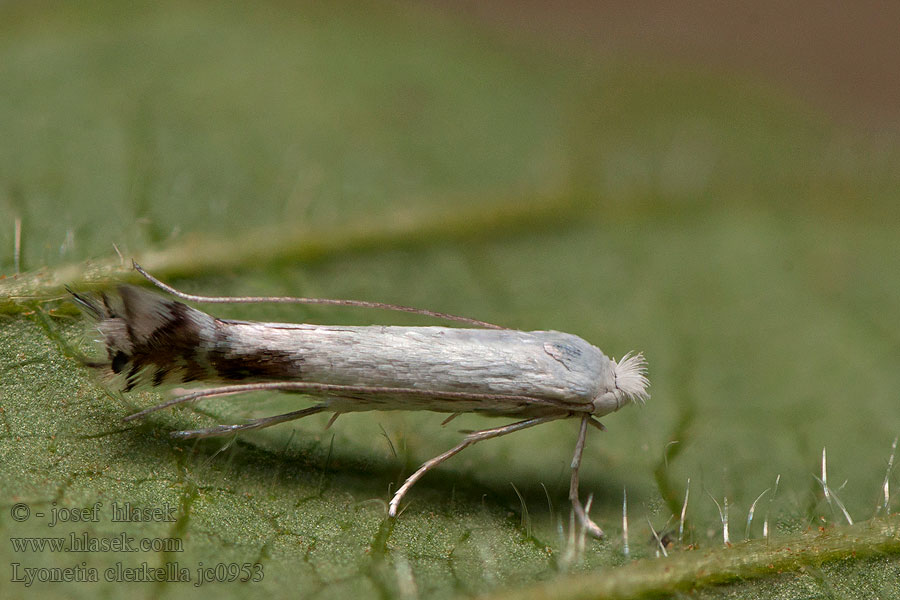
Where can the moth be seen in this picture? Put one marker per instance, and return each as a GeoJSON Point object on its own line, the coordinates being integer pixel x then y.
{"type": "Point", "coordinates": [533, 376]}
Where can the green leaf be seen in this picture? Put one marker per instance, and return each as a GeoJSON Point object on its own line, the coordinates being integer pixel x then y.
{"type": "Point", "coordinates": [392, 153]}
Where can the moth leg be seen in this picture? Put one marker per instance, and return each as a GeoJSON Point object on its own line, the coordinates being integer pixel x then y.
{"type": "Point", "coordinates": [472, 438]}
{"type": "Point", "coordinates": [580, 512]}
{"type": "Point", "coordinates": [323, 389]}
{"type": "Point", "coordinates": [224, 390]}
{"type": "Point", "coordinates": [254, 424]}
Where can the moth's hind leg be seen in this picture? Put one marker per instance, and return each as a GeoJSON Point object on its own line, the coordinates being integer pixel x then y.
{"type": "Point", "coordinates": [220, 430]}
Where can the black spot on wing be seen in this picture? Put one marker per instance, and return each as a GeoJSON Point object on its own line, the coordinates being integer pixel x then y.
{"type": "Point", "coordinates": [131, 378]}
{"type": "Point", "coordinates": [119, 362]}
{"type": "Point", "coordinates": [232, 363]}
{"type": "Point", "coordinates": [193, 370]}
{"type": "Point", "coordinates": [164, 337]}
{"type": "Point", "coordinates": [160, 376]}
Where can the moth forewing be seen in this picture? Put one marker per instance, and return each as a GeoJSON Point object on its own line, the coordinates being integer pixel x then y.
{"type": "Point", "coordinates": [535, 376]}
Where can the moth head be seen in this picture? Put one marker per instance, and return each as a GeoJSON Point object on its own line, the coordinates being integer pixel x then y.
{"type": "Point", "coordinates": [629, 384]}
{"type": "Point", "coordinates": [631, 377]}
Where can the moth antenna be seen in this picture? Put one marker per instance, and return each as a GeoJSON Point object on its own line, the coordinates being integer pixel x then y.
{"type": "Point", "coordinates": [320, 301]}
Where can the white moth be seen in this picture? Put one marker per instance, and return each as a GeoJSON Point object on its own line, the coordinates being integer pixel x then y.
{"type": "Point", "coordinates": [537, 376]}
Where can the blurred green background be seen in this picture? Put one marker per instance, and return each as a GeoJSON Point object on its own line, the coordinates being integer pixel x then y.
{"type": "Point", "coordinates": [732, 214]}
